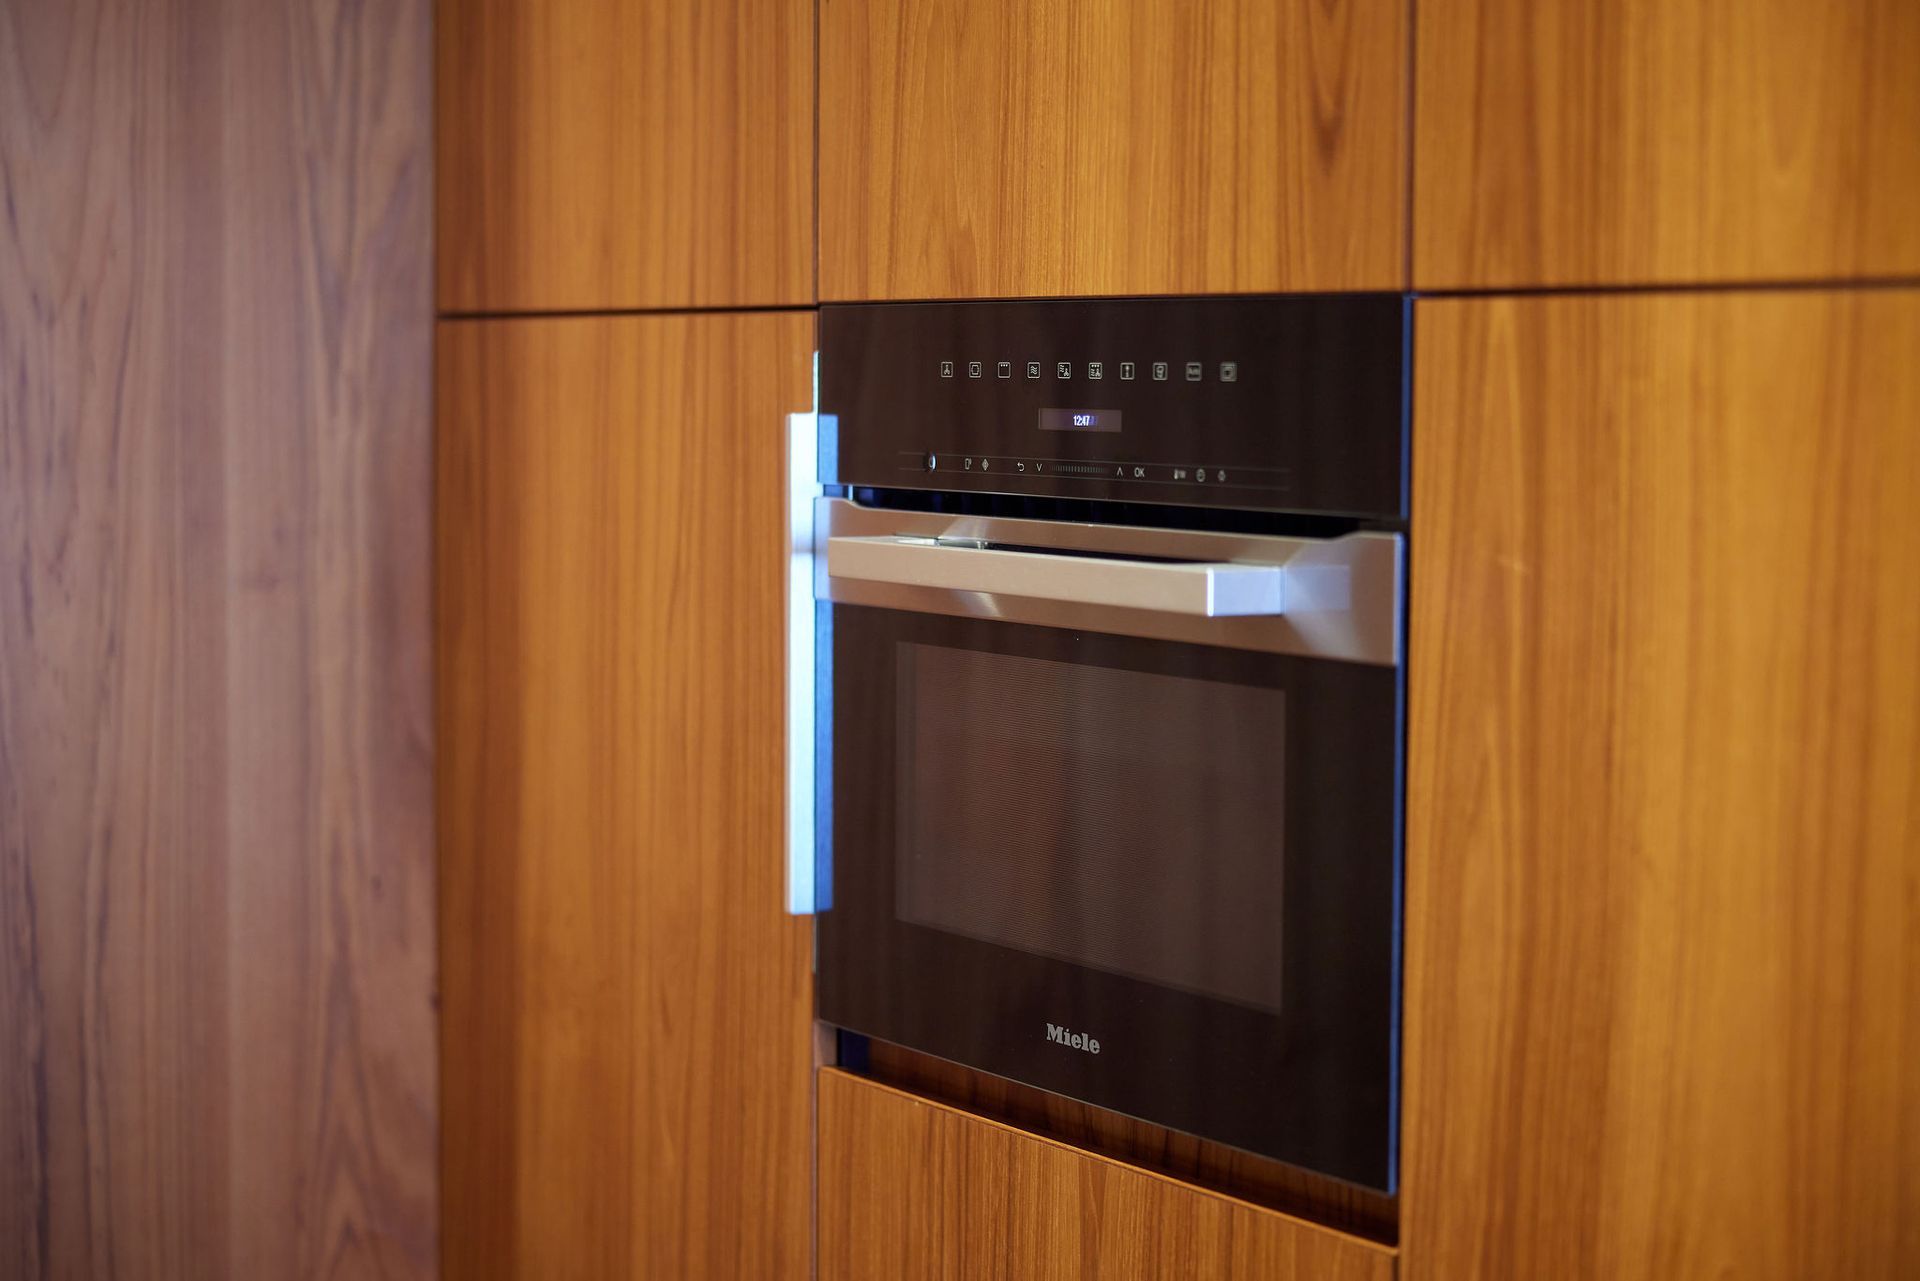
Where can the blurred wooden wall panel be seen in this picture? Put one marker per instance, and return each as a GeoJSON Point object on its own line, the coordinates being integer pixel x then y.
{"type": "Point", "coordinates": [627, 1010]}
{"type": "Point", "coordinates": [1663, 860]}
{"type": "Point", "coordinates": [1000, 148]}
{"type": "Point", "coordinates": [1627, 142]}
{"type": "Point", "coordinates": [216, 749]}
{"type": "Point", "coordinates": [618, 154]}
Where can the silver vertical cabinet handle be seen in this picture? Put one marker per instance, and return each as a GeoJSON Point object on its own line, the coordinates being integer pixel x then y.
{"type": "Point", "coordinates": [1196, 589]}
{"type": "Point", "coordinates": [804, 893]}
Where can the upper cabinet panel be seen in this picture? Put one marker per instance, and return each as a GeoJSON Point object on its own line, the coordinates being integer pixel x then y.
{"type": "Point", "coordinates": [1017, 148]}
{"type": "Point", "coordinates": [1617, 142]}
{"type": "Point", "coordinates": [600, 154]}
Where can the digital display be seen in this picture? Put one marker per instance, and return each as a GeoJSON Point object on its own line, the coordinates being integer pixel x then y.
{"type": "Point", "coordinates": [1079, 420]}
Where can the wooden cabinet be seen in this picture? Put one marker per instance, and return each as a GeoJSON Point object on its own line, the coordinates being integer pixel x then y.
{"type": "Point", "coordinates": [216, 702]}
{"type": "Point", "coordinates": [1663, 893]}
{"type": "Point", "coordinates": [622, 154]}
{"type": "Point", "coordinates": [996, 148]}
{"type": "Point", "coordinates": [912, 1189]}
{"type": "Point", "coordinates": [627, 1007]}
{"type": "Point", "coordinates": [1620, 142]}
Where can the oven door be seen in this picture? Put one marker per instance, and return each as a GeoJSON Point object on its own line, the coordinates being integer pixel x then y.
{"type": "Point", "coordinates": [1114, 813]}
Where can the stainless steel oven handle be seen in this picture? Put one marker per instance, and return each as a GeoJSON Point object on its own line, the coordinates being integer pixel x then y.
{"type": "Point", "coordinates": [1334, 598]}
{"type": "Point", "coordinates": [1197, 590]}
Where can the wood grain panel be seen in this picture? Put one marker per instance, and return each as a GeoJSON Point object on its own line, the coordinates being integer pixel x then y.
{"type": "Point", "coordinates": [1213, 1166]}
{"type": "Point", "coordinates": [599, 154]}
{"type": "Point", "coordinates": [1663, 988]}
{"type": "Point", "coordinates": [216, 878]}
{"type": "Point", "coordinates": [1571, 142]}
{"type": "Point", "coordinates": [626, 1004]}
{"type": "Point", "coordinates": [912, 1189]}
{"type": "Point", "coordinates": [999, 148]}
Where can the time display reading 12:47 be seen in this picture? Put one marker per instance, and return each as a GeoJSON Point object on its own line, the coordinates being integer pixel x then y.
{"type": "Point", "coordinates": [1079, 420]}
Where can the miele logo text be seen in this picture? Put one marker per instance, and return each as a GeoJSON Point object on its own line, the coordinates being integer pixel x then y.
{"type": "Point", "coordinates": [1073, 1040]}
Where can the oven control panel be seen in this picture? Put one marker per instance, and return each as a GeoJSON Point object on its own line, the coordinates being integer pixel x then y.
{"type": "Point", "coordinates": [1287, 404]}
{"type": "Point", "coordinates": [1126, 371]}
{"type": "Point", "coordinates": [1122, 473]}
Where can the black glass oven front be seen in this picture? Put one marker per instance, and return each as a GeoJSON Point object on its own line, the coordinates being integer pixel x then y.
{"type": "Point", "coordinates": [1159, 877]}
{"type": "Point", "coordinates": [1112, 809]}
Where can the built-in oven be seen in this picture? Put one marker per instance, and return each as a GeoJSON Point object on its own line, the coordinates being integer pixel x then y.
{"type": "Point", "coordinates": [1109, 648]}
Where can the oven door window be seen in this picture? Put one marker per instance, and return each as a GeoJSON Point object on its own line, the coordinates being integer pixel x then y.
{"type": "Point", "coordinates": [1133, 822]}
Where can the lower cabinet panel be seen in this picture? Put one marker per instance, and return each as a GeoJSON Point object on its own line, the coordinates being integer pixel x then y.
{"type": "Point", "coordinates": [912, 1189]}
{"type": "Point", "coordinates": [626, 1026]}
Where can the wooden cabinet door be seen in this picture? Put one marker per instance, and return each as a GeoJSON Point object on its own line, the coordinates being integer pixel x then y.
{"type": "Point", "coordinates": [911, 1189]}
{"type": "Point", "coordinates": [1619, 142]}
{"type": "Point", "coordinates": [1663, 851]}
{"type": "Point", "coordinates": [626, 1006]}
{"type": "Point", "coordinates": [216, 701]}
{"type": "Point", "coordinates": [621, 154]}
{"type": "Point", "coordinates": [1000, 148]}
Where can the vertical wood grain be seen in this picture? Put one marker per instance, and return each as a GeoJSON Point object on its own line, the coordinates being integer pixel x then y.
{"type": "Point", "coordinates": [216, 880]}
{"type": "Point", "coordinates": [1002, 148]}
{"type": "Point", "coordinates": [913, 1189]}
{"type": "Point", "coordinates": [627, 1006]}
{"type": "Point", "coordinates": [598, 154]}
{"type": "Point", "coordinates": [1621, 142]}
{"type": "Point", "coordinates": [1663, 861]}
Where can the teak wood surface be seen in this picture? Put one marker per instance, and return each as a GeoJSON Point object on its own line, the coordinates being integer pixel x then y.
{"type": "Point", "coordinates": [1007, 148]}
{"type": "Point", "coordinates": [627, 1006]}
{"type": "Point", "coordinates": [1663, 852]}
{"type": "Point", "coordinates": [623, 154]}
{"type": "Point", "coordinates": [1151, 1147]}
{"type": "Point", "coordinates": [914, 1189]}
{"type": "Point", "coordinates": [1629, 142]}
{"type": "Point", "coordinates": [216, 738]}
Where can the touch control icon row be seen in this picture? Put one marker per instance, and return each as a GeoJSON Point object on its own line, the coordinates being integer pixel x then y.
{"type": "Point", "coordinates": [1083, 470]}
{"type": "Point", "coordinates": [1160, 371]}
